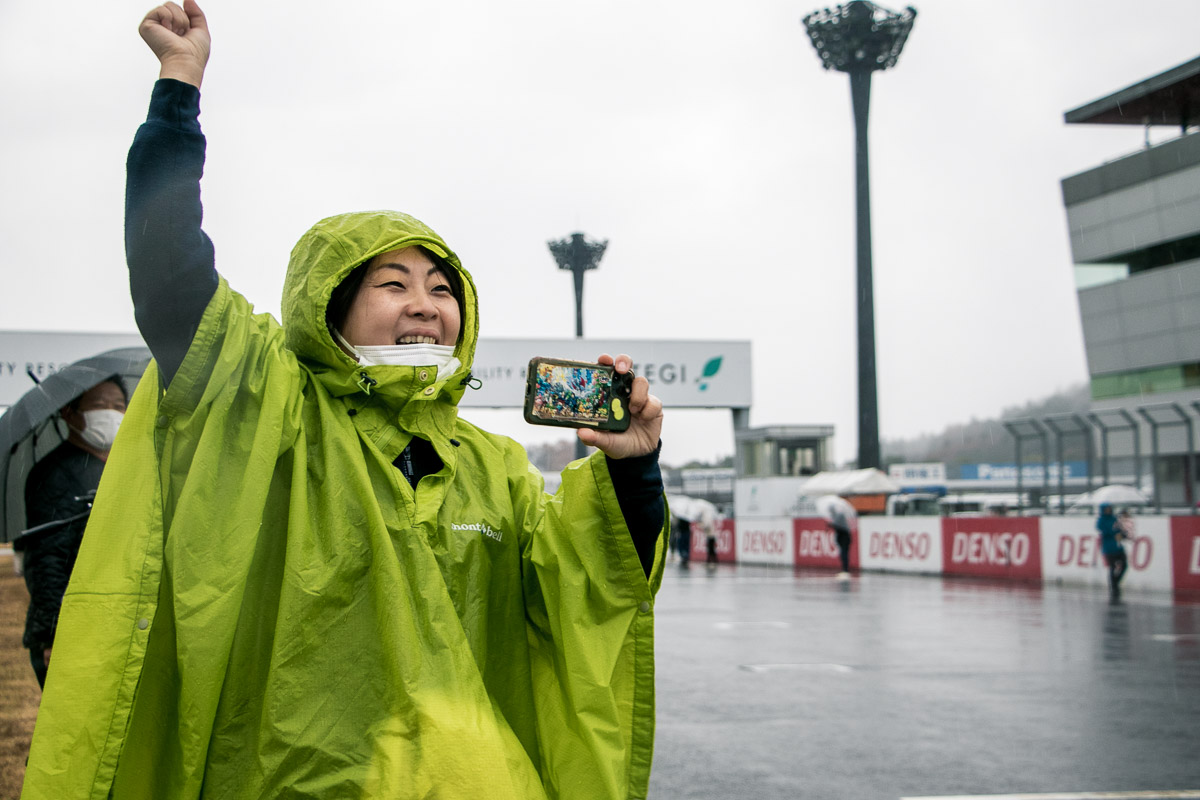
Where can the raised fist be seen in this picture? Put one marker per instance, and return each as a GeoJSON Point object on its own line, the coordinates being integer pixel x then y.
{"type": "Point", "coordinates": [179, 38]}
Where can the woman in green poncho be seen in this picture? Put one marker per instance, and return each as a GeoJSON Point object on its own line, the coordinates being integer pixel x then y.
{"type": "Point", "coordinates": [304, 575]}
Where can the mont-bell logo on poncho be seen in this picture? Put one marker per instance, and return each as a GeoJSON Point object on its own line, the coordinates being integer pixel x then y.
{"type": "Point", "coordinates": [482, 527]}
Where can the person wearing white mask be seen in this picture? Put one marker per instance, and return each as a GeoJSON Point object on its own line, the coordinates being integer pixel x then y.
{"type": "Point", "coordinates": [58, 489]}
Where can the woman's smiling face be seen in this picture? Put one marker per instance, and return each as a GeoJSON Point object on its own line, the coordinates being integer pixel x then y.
{"type": "Point", "coordinates": [404, 299]}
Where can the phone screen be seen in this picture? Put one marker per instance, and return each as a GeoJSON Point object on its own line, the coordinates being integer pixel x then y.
{"type": "Point", "coordinates": [572, 394]}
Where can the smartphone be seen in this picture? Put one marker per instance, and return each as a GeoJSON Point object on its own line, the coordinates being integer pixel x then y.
{"type": "Point", "coordinates": [577, 394]}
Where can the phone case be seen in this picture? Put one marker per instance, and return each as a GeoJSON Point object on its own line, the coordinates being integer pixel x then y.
{"type": "Point", "coordinates": [577, 394]}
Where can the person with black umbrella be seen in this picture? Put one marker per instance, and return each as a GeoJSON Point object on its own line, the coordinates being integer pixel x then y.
{"type": "Point", "coordinates": [58, 496]}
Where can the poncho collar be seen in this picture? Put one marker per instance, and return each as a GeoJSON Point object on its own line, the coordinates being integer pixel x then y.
{"type": "Point", "coordinates": [320, 261]}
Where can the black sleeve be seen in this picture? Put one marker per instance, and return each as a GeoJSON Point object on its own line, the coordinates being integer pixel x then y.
{"type": "Point", "coordinates": [50, 493]}
{"type": "Point", "coordinates": [171, 269]}
{"type": "Point", "coordinates": [638, 484]}
{"type": "Point", "coordinates": [47, 567]}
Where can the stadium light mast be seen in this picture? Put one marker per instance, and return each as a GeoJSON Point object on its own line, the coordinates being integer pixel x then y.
{"type": "Point", "coordinates": [859, 38]}
{"type": "Point", "coordinates": [578, 255]}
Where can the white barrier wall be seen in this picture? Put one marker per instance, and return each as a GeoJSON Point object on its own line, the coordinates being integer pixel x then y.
{"type": "Point", "coordinates": [900, 544]}
{"type": "Point", "coordinates": [765, 541]}
{"type": "Point", "coordinates": [1071, 553]}
{"type": "Point", "coordinates": [1164, 552]}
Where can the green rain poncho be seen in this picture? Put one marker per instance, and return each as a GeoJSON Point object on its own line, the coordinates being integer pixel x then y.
{"type": "Point", "coordinates": [263, 606]}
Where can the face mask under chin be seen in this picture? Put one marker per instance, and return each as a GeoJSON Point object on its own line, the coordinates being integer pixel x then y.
{"type": "Point", "coordinates": [402, 355]}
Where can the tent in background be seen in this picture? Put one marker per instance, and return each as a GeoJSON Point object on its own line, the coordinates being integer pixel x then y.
{"type": "Point", "coordinates": [866, 490]}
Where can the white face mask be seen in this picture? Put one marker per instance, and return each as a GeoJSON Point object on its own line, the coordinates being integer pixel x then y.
{"type": "Point", "coordinates": [404, 355]}
{"type": "Point", "coordinates": [100, 427]}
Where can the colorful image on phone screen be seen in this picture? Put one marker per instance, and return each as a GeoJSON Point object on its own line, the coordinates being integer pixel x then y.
{"type": "Point", "coordinates": [576, 394]}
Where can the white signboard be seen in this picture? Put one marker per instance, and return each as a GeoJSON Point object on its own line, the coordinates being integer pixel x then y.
{"type": "Point", "coordinates": [765, 541]}
{"type": "Point", "coordinates": [44, 353]}
{"type": "Point", "coordinates": [1071, 552]}
{"type": "Point", "coordinates": [932, 474]}
{"type": "Point", "coordinates": [718, 480]}
{"type": "Point", "coordinates": [900, 544]}
{"type": "Point", "coordinates": [683, 374]}
{"type": "Point", "coordinates": [778, 496]}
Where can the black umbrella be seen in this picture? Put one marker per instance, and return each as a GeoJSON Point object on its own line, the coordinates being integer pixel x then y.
{"type": "Point", "coordinates": [28, 430]}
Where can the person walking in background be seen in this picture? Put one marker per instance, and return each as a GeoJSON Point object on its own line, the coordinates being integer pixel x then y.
{"type": "Point", "coordinates": [681, 537]}
{"type": "Point", "coordinates": [709, 526]}
{"type": "Point", "coordinates": [1112, 547]}
{"type": "Point", "coordinates": [58, 494]}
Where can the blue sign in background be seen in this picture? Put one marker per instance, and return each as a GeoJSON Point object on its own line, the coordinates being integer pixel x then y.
{"type": "Point", "coordinates": [1032, 473]}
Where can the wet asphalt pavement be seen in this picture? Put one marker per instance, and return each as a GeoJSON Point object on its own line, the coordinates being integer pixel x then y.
{"type": "Point", "coordinates": [774, 683]}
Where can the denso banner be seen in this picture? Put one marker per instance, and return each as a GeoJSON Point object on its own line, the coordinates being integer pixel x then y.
{"type": "Point", "coordinates": [726, 542]}
{"type": "Point", "coordinates": [764, 541]}
{"type": "Point", "coordinates": [1071, 552]}
{"type": "Point", "coordinates": [1185, 551]}
{"type": "Point", "coordinates": [901, 544]}
{"type": "Point", "coordinates": [996, 547]}
{"type": "Point", "coordinates": [816, 544]}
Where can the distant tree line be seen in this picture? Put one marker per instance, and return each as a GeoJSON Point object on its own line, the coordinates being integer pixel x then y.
{"type": "Point", "coordinates": [974, 442]}
{"type": "Point", "coordinates": [988, 441]}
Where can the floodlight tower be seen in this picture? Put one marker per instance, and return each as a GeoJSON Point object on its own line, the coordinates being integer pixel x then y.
{"type": "Point", "coordinates": [860, 38]}
{"type": "Point", "coordinates": [578, 255]}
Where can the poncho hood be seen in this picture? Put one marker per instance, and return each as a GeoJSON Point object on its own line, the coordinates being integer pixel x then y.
{"type": "Point", "coordinates": [321, 260]}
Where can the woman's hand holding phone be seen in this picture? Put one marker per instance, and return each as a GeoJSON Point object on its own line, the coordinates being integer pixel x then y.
{"type": "Point", "coordinates": [646, 416]}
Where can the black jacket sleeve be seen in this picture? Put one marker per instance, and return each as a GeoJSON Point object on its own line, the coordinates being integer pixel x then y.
{"type": "Point", "coordinates": [638, 484]}
{"type": "Point", "coordinates": [47, 566]}
{"type": "Point", "coordinates": [171, 262]}
{"type": "Point", "coordinates": [54, 491]}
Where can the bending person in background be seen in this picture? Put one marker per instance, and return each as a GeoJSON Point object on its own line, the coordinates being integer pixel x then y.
{"type": "Point", "coordinates": [59, 489]}
{"type": "Point", "coordinates": [312, 578]}
{"type": "Point", "coordinates": [841, 529]}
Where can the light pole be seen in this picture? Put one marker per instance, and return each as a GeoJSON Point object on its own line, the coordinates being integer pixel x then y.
{"type": "Point", "coordinates": [578, 255]}
{"type": "Point", "coordinates": [860, 38]}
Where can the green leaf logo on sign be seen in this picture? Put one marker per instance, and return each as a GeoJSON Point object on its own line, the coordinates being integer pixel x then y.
{"type": "Point", "coordinates": [711, 368]}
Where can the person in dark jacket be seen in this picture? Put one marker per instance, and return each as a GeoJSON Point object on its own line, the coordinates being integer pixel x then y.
{"type": "Point", "coordinates": [1111, 538]}
{"type": "Point", "coordinates": [683, 539]}
{"type": "Point", "coordinates": [59, 490]}
{"type": "Point", "coordinates": [841, 529]}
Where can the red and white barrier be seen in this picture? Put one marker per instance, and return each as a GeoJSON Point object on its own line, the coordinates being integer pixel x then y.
{"type": "Point", "coordinates": [726, 544]}
{"type": "Point", "coordinates": [992, 547]}
{"type": "Point", "coordinates": [1072, 553]}
{"type": "Point", "coordinates": [1185, 553]}
{"type": "Point", "coordinates": [1163, 553]}
{"type": "Point", "coordinates": [816, 545]}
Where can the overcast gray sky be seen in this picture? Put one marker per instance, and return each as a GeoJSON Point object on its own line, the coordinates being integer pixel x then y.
{"type": "Point", "coordinates": [701, 138]}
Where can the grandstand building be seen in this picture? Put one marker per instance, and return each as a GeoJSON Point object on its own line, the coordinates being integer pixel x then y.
{"type": "Point", "coordinates": [1134, 226]}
